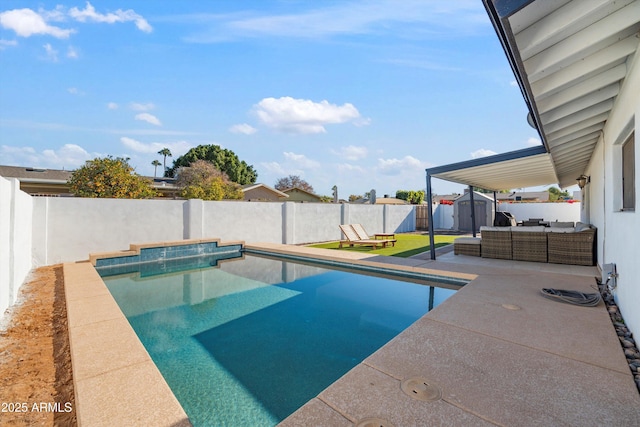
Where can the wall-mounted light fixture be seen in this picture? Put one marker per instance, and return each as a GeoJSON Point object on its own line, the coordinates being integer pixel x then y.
{"type": "Point", "coordinates": [583, 180]}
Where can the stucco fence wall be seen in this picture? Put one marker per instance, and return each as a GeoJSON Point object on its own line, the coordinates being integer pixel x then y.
{"type": "Point", "coordinates": [68, 229]}
{"type": "Point", "coordinates": [15, 240]}
{"type": "Point", "coordinates": [37, 231]}
{"type": "Point", "coordinates": [443, 215]}
{"type": "Point", "coordinates": [563, 212]}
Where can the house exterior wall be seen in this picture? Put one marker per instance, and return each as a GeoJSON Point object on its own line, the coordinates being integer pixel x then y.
{"type": "Point", "coordinates": [301, 196]}
{"type": "Point", "coordinates": [618, 231]}
{"type": "Point", "coordinates": [261, 194]}
{"type": "Point", "coordinates": [15, 240]}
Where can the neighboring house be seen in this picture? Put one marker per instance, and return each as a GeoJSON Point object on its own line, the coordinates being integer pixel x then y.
{"type": "Point", "coordinates": [299, 195]}
{"type": "Point", "coordinates": [578, 68]}
{"type": "Point", "coordinates": [38, 181]}
{"type": "Point", "coordinates": [385, 200]}
{"type": "Point", "coordinates": [53, 182]}
{"type": "Point", "coordinates": [445, 199]}
{"type": "Point", "coordinates": [262, 193]}
{"type": "Point", "coordinates": [390, 201]}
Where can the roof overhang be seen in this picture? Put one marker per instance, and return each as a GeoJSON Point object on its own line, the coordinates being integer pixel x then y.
{"type": "Point", "coordinates": [529, 167]}
{"type": "Point", "coordinates": [570, 59]}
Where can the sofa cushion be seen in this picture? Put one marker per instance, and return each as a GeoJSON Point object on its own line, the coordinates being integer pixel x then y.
{"type": "Point", "coordinates": [467, 240]}
{"type": "Point", "coordinates": [534, 228]}
{"type": "Point", "coordinates": [560, 230]}
{"type": "Point", "coordinates": [557, 224]}
{"type": "Point", "coordinates": [581, 226]}
{"type": "Point", "coordinates": [490, 228]}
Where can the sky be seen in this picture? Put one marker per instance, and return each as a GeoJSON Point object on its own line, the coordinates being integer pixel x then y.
{"type": "Point", "coordinates": [361, 94]}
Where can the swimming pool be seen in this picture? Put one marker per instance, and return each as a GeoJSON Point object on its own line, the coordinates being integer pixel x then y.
{"type": "Point", "coordinates": [249, 341]}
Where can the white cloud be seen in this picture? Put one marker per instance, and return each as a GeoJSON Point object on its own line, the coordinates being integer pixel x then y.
{"type": "Point", "coordinates": [69, 156]}
{"type": "Point", "coordinates": [243, 128]}
{"type": "Point", "coordinates": [406, 165]}
{"type": "Point", "coordinates": [7, 43]}
{"type": "Point", "coordinates": [149, 118]}
{"type": "Point", "coordinates": [154, 147]}
{"type": "Point", "coordinates": [72, 53]}
{"type": "Point", "coordinates": [136, 106]}
{"type": "Point", "coordinates": [274, 168]}
{"type": "Point", "coordinates": [26, 23]}
{"type": "Point", "coordinates": [513, 83]}
{"type": "Point", "coordinates": [301, 161]}
{"type": "Point", "coordinates": [346, 167]}
{"type": "Point", "coordinates": [89, 14]}
{"type": "Point", "coordinates": [52, 54]}
{"type": "Point", "coordinates": [112, 106]}
{"type": "Point", "coordinates": [303, 116]}
{"type": "Point", "coordinates": [409, 17]}
{"type": "Point", "coordinates": [482, 153]}
{"type": "Point", "coordinates": [293, 164]}
{"type": "Point", "coordinates": [351, 152]}
{"type": "Point", "coordinates": [75, 91]}
{"type": "Point", "coordinates": [532, 142]}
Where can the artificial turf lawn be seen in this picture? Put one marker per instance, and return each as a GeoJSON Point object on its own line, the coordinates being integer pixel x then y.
{"type": "Point", "coordinates": [406, 245]}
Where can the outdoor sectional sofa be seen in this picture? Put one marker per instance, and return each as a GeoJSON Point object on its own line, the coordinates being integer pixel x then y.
{"type": "Point", "coordinates": [555, 244]}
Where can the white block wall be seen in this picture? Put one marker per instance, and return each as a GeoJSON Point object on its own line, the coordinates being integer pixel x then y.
{"type": "Point", "coordinates": [15, 240]}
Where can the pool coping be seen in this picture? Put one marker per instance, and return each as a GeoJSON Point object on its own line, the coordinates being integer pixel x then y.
{"type": "Point", "coordinates": [115, 381]}
{"type": "Point", "coordinates": [107, 376]}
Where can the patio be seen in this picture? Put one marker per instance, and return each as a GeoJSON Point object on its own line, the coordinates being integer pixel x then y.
{"type": "Point", "coordinates": [498, 353]}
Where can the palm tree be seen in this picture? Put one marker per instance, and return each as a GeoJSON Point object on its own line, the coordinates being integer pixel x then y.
{"type": "Point", "coordinates": [165, 152]}
{"type": "Point", "coordinates": [155, 164]}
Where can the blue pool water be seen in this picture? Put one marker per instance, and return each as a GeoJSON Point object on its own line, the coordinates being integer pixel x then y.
{"type": "Point", "coordinates": [250, 341]}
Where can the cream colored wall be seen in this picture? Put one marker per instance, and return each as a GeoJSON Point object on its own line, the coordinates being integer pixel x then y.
{"type": "Point", "coordinates": [618, 231]}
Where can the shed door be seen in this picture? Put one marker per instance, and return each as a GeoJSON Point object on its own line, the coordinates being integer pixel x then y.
{"type": "Point", "coordinates": [464, 214]}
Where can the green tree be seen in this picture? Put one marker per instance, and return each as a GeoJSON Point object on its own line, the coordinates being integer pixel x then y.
{"type": "Point", "coordinates": [165, 152]}
{"type": "Point", "coordinates": [354, 197]}
{"type": "Point", "coordinates": [411, 196]}
{"type": "Point", "coordinates": [292, 181]}
{"type": "Point", "coordinates": [110, 177]}
{"type": "Point", "coordinates": [555, 194]}
{"type": "Point", "coordinates": [224, 160]}
{"type": "Point", "coordinates": [201, 180]}
{"type": "Point", "coordinates": [155, 164]}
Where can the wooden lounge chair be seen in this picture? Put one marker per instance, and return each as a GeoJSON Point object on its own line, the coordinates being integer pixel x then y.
{"type": "Point", "coordinates": [353, 239]}
{"type": "Point", "coordinates": [363, 235]}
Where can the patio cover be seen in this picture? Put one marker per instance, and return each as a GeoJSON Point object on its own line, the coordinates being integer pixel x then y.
{"type": "Point", "coordinates": [570, 59]}
{"type": "Point", "coordinates": [516, 169]}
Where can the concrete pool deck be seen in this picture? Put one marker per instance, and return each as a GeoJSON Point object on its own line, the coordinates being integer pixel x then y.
{"type": "Point", "coordinates": [496, 351]}
{"type": "Point", "coordinates": [499, 353]}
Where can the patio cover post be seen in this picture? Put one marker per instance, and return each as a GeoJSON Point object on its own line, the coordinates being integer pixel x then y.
{"type": "Point", "coordinates": [432, 246]}
{"type": "Point", "coordinates": [473, 210]}
{"type": "Point", "coordinates": [495, 208]}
